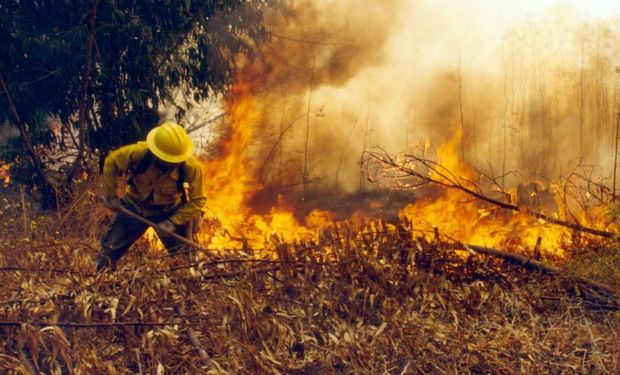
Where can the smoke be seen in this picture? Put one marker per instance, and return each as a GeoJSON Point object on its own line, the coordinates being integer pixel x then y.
{"type": "Point", "coordinates": [532, 87]}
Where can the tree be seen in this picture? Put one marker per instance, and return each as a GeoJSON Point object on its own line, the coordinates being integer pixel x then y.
{"type": "Point", "coordinates": [88, 76]}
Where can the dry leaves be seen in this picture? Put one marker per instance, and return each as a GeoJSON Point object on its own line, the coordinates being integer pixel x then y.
{"type": "Point", "coordinates": [367, 301]}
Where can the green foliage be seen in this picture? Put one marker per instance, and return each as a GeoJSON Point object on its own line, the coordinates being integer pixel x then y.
{"type": "Point", "coordinates": [144, 52]}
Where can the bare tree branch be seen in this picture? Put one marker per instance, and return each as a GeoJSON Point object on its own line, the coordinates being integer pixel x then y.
{"type": "Point", "coordinates": [24, 133]}
{"type": "Point", "coordinates": [448, 179]}
{"type": "Point", "coordinates": [82, 112]}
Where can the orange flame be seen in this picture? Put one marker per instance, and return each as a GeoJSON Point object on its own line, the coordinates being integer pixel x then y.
{"type": "Point", "coordinates": [5, 175]}
{"type": "Point", "coordinates": [463, 218]}
{"type": "Point", "coordinates": [230, 184]}
{"type": "Point", "coordinates": [455, 214]}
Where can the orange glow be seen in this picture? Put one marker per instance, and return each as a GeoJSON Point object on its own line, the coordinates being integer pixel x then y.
{"type": "Point", "coordinates": [5, 175]}
{"type": "Point", "coordinates": [230, 184]}
{"type": "Point", "coordinates": [463, 218]}
{"type": "Point", "coordinates": [456, 215]}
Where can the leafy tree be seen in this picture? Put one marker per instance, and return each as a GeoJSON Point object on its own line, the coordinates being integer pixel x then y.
{"type": "Point", "coordinates": [81, 76]}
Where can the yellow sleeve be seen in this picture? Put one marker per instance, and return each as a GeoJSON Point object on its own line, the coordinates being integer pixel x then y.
{"type": "Point", "coordinates": [197, 195]}
{"type": "Point", "coordinates": [118, 162]}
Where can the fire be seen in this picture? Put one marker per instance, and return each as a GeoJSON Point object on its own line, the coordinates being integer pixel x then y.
{"type": "Point", "coordinates": [454, 213]}
{"type": "Point", "coordinates": [230, 183]}
{"type": "Point", "coordinates": [463, 218]}
{"type": "Point", "coordinates": [459, 217]}
{"type": "Point", "coordinates": [449, 159]}
{"type": "Point", "coordinates": [5, 175]}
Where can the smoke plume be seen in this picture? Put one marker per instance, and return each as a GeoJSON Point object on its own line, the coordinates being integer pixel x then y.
{"type": "Point", "coordinates": [531, 89]}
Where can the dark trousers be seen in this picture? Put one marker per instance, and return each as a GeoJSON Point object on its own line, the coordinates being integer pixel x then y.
{"type": "Point", "coordinates": [125, 230]}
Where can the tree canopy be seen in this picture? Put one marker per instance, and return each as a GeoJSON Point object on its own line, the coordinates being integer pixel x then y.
{"type": "Point", "coordinates": [82, 76]}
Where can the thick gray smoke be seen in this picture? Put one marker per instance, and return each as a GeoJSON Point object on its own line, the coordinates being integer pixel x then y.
{"type": "Point", "coordinates": [532, 89]}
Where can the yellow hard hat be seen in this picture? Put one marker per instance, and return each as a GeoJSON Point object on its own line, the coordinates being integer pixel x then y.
{"type": "Point", "coordinates": [170, 142]}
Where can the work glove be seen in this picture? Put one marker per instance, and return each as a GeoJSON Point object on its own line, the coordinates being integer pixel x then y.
{"type": "Point", "coordinates": [112, 203]}
{"type": "Point", "coordinates": [166, 226]}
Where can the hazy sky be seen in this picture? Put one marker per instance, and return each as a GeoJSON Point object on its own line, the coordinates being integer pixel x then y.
{"type": "Point", "coordinates": [588, 9]}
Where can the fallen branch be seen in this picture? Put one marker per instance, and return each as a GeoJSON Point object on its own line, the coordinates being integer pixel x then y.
{"type": "Point", "coordinates": [532, 264]}
{"type": "Point", "coordinates": [585, 303]}
{"type": "Point", "coordinates": [44, 270]}
{"type": "Point", "coordinates": [451, 181]}
{"type": "Point", "coordinates": [14, 323]}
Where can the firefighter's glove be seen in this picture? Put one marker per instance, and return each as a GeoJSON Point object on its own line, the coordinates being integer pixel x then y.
{"type": "Point", "coordinates": [166, 226]}
{"type": "Point", "coordinates": [113, 203]}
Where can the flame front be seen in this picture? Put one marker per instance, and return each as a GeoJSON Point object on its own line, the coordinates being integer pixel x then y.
{"type": "Point", "coordinates": [461, 217]}
{"type": "Point", "coordinates": [230, 183]}
{"type": "Point", "coordinates": [456, 214]}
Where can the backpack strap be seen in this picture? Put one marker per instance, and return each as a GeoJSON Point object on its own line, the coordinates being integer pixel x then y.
{"type": "Point", "coordinates": [142, 166]}
{"type": "Point", "coordinates": [146, 162]}
{"type": "Point", "coordinates": [182, 186]}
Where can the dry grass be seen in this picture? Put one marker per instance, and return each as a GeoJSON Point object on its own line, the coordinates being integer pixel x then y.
{"type": "Point", "coordinates": [373, 301]}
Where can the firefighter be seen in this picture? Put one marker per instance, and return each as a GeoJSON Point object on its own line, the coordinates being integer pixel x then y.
{"type": "Point", "coordinates": [165, 185]}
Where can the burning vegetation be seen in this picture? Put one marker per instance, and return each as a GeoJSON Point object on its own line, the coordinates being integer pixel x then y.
{"type": "Point", "coordinates": [421, 261]}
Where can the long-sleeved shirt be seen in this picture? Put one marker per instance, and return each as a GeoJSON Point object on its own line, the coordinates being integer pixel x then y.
{"type": "Point", "coordinates": [155, 192]}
